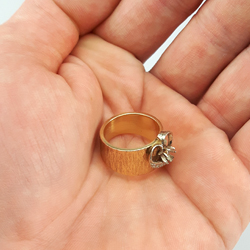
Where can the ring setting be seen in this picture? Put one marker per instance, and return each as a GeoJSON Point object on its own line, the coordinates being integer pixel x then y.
{"type": "Point", "coordinates": [163, 149]}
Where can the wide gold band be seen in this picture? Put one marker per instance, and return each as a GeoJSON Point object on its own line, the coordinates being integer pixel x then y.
{"type": "Point", "coordinates": [129, 161]}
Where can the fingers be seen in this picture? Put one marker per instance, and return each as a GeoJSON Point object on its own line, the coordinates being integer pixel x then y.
{"type": "Point", "coordinates": [45, 31]}
{"type": "Point", "coordinates": [227, 101]}
{"type": "Point", "coordinates": [142, 26]}
{"type": "Point", "coordinates": [211, 40]}
{"type": "Point", "coordinates": [87, 14]}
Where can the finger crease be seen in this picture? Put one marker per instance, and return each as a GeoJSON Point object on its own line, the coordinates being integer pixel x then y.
{"type": "Point", "coordinates": [214, 108]}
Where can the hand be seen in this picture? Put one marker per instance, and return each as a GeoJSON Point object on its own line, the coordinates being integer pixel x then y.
{"type": "Point", "coordinates": [56, 192]}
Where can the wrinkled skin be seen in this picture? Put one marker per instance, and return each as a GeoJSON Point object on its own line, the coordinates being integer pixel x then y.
{"type": "Point", "coordinates": [56, 90]}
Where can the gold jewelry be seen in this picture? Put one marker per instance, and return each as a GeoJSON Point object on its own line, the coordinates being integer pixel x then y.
{"type": "Point", "coordinates": [141, 160]}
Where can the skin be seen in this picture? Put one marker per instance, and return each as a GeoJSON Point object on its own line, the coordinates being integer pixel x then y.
{"type": "Point", "coordinates": [57, 89]}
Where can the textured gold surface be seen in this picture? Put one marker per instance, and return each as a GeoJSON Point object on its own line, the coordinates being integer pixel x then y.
{"type": "Point", "coordinates": [129, 161]}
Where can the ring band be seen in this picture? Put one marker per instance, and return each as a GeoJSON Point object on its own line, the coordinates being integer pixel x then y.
{"type": "Point", "coordinates": [141, 160]}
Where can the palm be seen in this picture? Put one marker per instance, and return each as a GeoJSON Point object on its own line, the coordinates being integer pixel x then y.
{"type": "Point", "coordinates": [70, 199]}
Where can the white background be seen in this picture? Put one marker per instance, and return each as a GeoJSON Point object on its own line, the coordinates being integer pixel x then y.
{"type": "Point", "coordinates": [8, 7]}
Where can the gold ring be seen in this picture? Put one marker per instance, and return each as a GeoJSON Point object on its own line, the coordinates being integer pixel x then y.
{"type": "Point", "coordinates": [136, 161]}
